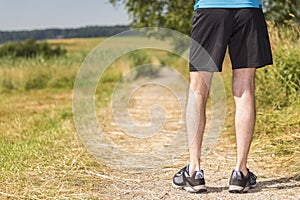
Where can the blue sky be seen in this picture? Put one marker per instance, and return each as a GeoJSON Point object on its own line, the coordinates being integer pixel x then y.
{"type": "Point", "coordinates": [41, 14]}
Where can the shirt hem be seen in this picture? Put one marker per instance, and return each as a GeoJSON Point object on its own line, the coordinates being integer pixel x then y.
{"type": "Point", "coordinates": [224, 6]}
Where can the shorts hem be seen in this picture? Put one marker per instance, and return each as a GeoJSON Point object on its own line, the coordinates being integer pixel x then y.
{"type": "Point", "coordinates": [257, 65]}
{"type": "Point", "coordinates": [204, 70]}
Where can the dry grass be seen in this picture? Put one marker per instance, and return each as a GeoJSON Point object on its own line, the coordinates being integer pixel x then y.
{"type": "Point", "coordinates": [41, 156]}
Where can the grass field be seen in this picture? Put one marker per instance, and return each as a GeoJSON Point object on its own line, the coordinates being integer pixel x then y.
{"type": "Point", "coordinates": [41, 155]}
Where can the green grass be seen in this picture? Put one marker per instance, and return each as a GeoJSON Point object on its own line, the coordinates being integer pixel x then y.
{"type": "Point", "coordinates": [41, 155]}
{"type": "Point", "coordinates": [278, 122]}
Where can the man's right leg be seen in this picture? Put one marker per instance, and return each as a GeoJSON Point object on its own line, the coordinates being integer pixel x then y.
{"type": "Point", "coordinates": [195, 115]}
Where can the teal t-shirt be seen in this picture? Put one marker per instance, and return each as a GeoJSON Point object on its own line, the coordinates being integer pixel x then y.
{"type": "Point", "coordinates": [227, 4]}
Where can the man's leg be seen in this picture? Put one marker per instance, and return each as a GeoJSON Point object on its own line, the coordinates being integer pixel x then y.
{"type": "Point", "coordinates": [195, 115]}
{"type": "Point", "coordinates": [243, 91]}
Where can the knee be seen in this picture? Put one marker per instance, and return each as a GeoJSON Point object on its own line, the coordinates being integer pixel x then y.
{"type": "Point", "coordinates": [243, 82]}
{"type": "Point", "coordinates": [199, 87]}
{"type": "Point", "coordinates": [243, 89]}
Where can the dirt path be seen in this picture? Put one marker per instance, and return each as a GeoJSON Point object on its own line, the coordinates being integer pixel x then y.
{"type": "Point", "coordinates": [157, 185]}
{"type": "Point", "coordinates": [217, 165]}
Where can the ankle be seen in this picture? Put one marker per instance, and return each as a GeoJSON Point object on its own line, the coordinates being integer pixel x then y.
{"type": "Point", "coordinates": [193, 167]}
{"type": "Point", "coordinates": [244, 170]}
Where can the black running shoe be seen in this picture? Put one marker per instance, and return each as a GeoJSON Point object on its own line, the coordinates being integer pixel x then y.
{"type": "Point", "coordinates": [194, 183]}
{"type": "Point", "coordinates": [238, 182]}
{"type": "Point", "coordinates": [252, 180]}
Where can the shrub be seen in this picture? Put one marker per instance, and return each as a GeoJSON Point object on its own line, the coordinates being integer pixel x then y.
{"type": "Point", "coordinates": [37, 81]}
{"type": "Point", "coordinates": [279, 84]}
{"type": "Point", "coordinates": [30, 49]}
{"type": "Point", "coordinates": [288, 68]}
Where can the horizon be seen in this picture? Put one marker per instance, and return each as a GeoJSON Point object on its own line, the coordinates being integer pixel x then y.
{"type": "Point", "coordinates": [60, 28]}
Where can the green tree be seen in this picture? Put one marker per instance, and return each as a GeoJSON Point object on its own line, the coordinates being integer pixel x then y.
{"type": "Point", "coordinates": [177, 15]}
{"type": "Point", "coordinates": [280, 11]}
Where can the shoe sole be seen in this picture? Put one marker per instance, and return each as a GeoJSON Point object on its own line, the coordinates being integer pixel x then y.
{"type": "Point", "coordinates": [194, 189]}
{"type": "Point", "coordinates": [238, 189]}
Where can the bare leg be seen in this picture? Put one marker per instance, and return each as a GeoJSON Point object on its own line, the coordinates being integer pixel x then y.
{"type": "Point", "coordinates": [243, 92]}
{"type": "Point", "coordinates": [195, 115]}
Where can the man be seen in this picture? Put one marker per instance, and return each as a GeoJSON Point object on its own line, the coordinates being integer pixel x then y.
{"type": "Point", "coordinates": [240, 25]}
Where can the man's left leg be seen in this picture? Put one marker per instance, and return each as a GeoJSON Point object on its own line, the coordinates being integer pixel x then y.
{"type": "Point", "coordinates": [243, 91]}
{"type": "Point", "coordinates": [248, 47]}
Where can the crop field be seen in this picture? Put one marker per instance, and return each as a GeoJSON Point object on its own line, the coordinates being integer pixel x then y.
{"type": "Point", "coordinates": [42, 157]}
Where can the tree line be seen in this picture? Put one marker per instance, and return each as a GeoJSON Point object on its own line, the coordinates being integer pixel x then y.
{"type": "Point", "coordinates": [85, 32]}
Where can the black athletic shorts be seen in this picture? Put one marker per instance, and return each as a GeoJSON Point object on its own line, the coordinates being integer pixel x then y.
{"type": "Point", "coordinates": [244, 30]}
